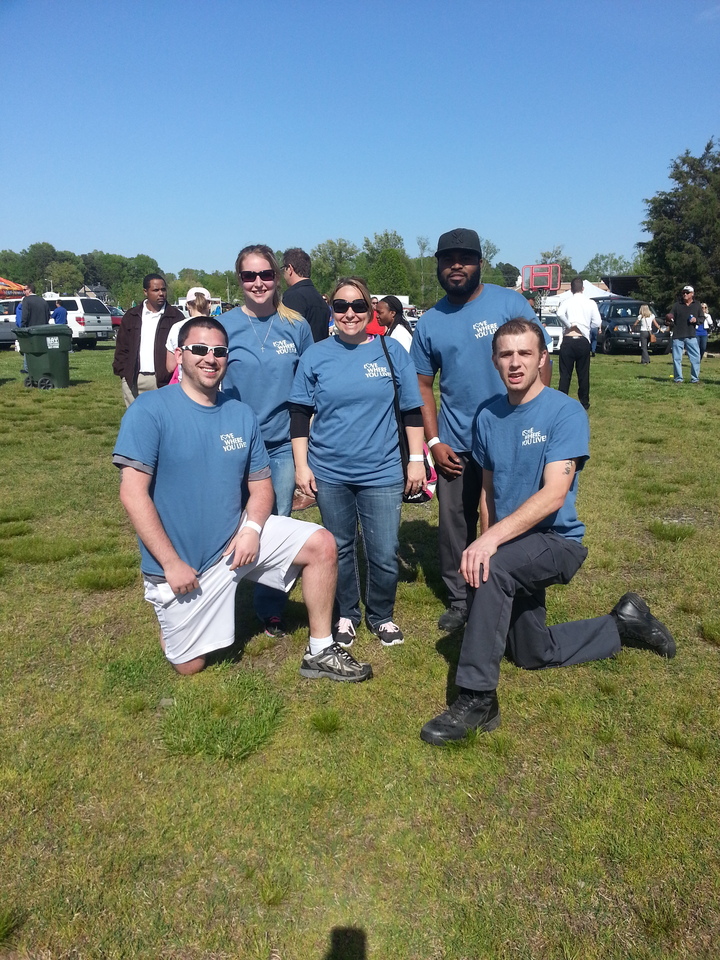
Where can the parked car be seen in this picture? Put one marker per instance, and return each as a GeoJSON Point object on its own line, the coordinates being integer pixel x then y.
{"type": "Point", "coordinates": [7, 323]}
{"type": "Point", "coordinates": [554, 329]}
{"type": "Point", "coordinates": [116, 314]}
{"type": "Point", "coordinates": [618, 330]}
{"type": "Point", "coordinates": [88, 318]}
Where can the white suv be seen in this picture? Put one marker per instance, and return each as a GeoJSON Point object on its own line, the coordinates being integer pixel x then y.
{"type": "Point", "coordinates": [88, 318]}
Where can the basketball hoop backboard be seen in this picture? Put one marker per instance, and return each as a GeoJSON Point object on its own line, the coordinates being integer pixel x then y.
{"type": "Point", "coordinates": [541, 276]}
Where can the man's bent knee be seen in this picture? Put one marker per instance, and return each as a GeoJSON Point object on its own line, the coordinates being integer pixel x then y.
{"type": "Point", "coordinates": [190, 667]}
{"type": "Point", "coordinates": [320, 547]}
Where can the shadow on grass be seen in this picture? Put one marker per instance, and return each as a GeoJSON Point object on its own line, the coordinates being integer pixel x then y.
{"type": "Point", "coordinates": [449, 648]}
{"type": "Point", "coordinates": [419, 552]}
{"type": "Point", "coordinates": [247, 625]}
{"type": "Point", "coordinates": [10, 922]}
{"type": "Point", "coordinates": [347, 943]}
{"type": "Point", "coordinates": [686, 381]}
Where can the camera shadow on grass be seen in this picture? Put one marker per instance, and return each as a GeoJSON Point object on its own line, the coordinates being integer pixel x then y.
{"type": "Point", "coordinates": [347, 943]}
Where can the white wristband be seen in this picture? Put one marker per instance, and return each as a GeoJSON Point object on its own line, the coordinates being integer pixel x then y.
{"type": "Point", "coordinates": [253, 526]}
{"type": "Point", "coordinates": [431, 443]}
{"type": "Point", "coordinates": [416, 458]}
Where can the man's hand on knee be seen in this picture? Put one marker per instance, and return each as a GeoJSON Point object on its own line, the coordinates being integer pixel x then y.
{"type": "Point", "coordinates": [475, 563]}
{"type": "Point", "coordinates": [245, 545]}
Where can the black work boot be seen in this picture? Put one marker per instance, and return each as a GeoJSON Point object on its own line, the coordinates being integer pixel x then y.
{"type": "Point", "coordinates": [639, 628]}
{"type": "Point", "coordinates": [471, 711]}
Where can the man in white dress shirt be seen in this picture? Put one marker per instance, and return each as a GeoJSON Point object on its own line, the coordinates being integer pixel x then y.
{"type": "Point", "coordinates": [577, 314]}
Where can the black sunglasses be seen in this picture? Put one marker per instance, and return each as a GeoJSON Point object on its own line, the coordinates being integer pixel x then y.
{"type": "Point", "coordinates": [342, 306]}
{"type": "Point", "coordinates": [248, 276]}
{"type": "Point", "coordinates": [201, 350]}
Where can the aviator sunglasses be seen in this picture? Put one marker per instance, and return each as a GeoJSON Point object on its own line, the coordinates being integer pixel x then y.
{"type": "Point", "coordinates": [357, 306]}
{"type": "Point", "coordinates": [201, 350]}
{"type": "Point", "coordinates": [249, 276]}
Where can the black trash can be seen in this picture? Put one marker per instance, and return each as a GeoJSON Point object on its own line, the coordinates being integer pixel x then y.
{"type": "Point", "coordinates": [47, 351]}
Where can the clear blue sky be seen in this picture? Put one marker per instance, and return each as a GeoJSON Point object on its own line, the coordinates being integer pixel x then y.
{"type": "Point", "coordinates": [186, 129]}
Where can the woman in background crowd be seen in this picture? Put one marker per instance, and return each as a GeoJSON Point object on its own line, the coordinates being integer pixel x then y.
{"type": "Point", "coordinates": [703, 328]}
{"type": "Point", "coordinates": [646, 321]}
{"type": "Point", "coordinates": [390, 315]}
{"type": "Point", "coordinates": [266, 340]}
{"type": "Point", "coordinates": [197, 304]}
{"type": "Point", "coordinates": [351, 461]}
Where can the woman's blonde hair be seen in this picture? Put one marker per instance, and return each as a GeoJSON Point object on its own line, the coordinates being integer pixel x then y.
{"type": "Point", "coordinates": [262, 250]}
{"type": "Point", "coordinates": [200, 304]}
{"type": "Point", "coordinates": [645, 311]}
{"type": "Point", "coordinates": [359, 285]}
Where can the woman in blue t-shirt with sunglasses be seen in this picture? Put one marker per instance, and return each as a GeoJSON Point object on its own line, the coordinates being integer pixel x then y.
{"type": "Point", "coordinates": [350, 459]}
{"type": "Point", "coordinates": [266, 339]}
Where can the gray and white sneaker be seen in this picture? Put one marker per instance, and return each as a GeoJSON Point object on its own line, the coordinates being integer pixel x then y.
{"type": "Point", "coordinates": [344, 632]}
{"type": "Point", "coordinates": [390, 634]}
{"type": "Point", "coordinates": [334, 663]}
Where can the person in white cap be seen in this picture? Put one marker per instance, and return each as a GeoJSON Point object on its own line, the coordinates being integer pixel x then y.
{"type": "Point", "coordinates": [686, 314]}
{"type": "Point", "coordinates": [197, 303]}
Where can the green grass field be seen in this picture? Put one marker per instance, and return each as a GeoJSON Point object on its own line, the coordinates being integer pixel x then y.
{"type": "Point", "coordinates": [147, 816]}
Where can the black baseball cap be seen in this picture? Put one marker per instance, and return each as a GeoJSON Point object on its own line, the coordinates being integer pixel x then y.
{"type": "Point", "coordinates": [459, 239]}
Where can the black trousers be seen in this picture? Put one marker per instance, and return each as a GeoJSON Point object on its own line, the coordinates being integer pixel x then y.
{"type": "Point", "coordinates": [575, 352]}
{"type": "Point", "coordinates": [458, 502]}
{"type": "Point", "coordinates": [507, 614]}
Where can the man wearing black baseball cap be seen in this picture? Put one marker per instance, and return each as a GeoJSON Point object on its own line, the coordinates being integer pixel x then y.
{"type": "Point", "coordinates": [455, 338]}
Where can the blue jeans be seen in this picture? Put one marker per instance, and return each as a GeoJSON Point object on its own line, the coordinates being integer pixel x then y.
{"type": "Point", "coordinates": [593, 339]}
{"type": "Point", "coordinates": [690, 346]}
{"type": "Point", "coordinates": [266, 601]}
{"type": "Point", "coordinates": [344, 508]}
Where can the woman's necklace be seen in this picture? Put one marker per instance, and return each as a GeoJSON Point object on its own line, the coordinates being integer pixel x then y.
{"type": "Point", "coordinates": [261, 342]}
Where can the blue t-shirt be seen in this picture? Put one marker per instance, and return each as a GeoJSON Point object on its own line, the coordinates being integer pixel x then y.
{"type": "Point", "coordinates": [354, 435]}
{"type": "Point", "coordinates": [457, 341]}
{"type": "Point", "coordinates": [200, 458]}
{"type": "Point", "coordinates": [517, 442]}
{"type": "Point", "coordinates": [263, 357]}
{"type": "Point", "coordinates": [59, 315]}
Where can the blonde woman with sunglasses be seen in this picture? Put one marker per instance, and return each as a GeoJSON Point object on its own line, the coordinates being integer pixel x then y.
{"type": "Point", "coordinates": [266, 340]}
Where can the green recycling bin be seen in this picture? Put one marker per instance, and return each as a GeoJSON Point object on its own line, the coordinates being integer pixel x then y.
{"type": "Point", "coordinates": [47, 351]}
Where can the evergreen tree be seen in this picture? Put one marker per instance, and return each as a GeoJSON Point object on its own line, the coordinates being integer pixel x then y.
{"type": "Point", "coordinates": [685, 225]}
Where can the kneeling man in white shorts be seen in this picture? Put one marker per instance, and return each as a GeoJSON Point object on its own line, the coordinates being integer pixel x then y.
{"type": "Point", "coordinates": [195, 482]}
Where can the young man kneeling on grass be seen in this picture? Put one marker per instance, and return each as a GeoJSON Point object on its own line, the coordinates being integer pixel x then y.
{"type": "Point", "coordinates": [186, 454]}
{"type": "Point", "coordinates": [531, 446]}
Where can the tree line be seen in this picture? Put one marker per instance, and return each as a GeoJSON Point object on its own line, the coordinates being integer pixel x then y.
{"type": "Point", "coordinates": [383, 261]}
{"type": "Point", "coordinates": [684, 247]}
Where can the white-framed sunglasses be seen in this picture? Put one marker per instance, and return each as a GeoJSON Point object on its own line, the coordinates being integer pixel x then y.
{"type": "Point", "coordinates": [202, 350]}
